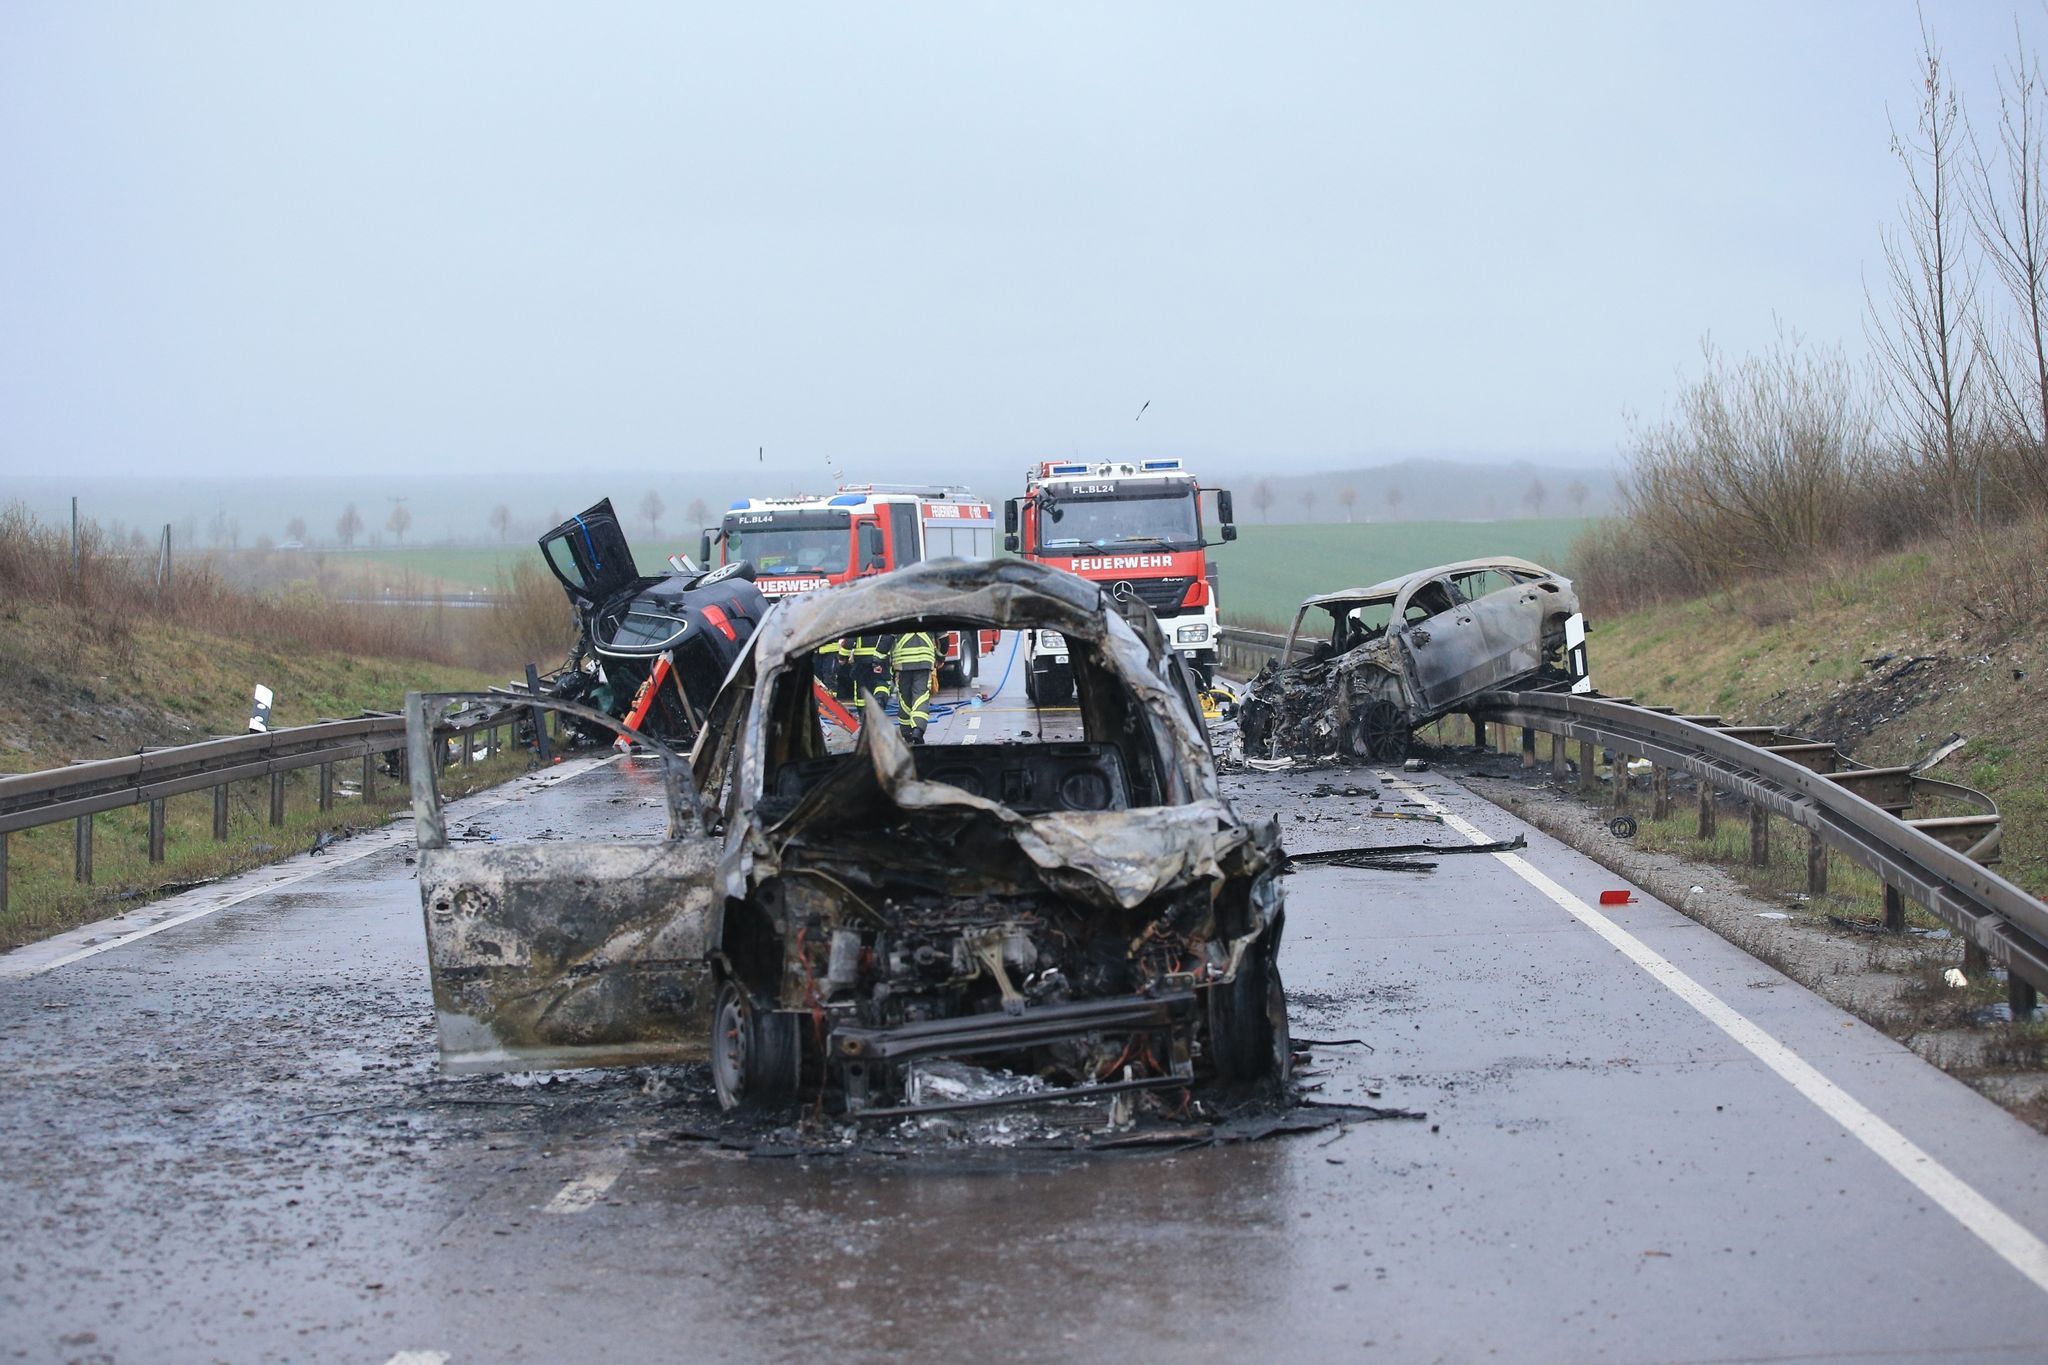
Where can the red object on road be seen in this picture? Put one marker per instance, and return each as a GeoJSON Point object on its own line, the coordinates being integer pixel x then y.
{"type": "Point", "coordinates": [1617, 898]}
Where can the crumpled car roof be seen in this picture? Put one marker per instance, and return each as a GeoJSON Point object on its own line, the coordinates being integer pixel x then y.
{"type": "Point", "coordinates": [1391, 588]}
{"type": "Point", "coordinates": [1003, 593]}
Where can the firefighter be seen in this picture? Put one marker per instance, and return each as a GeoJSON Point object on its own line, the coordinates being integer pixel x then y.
{"type": "Point", "coordinates": [913, 658]}
{"type": "Point", "coordinates": [870, 667]}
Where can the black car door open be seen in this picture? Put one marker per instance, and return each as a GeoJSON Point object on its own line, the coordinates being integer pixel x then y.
{"type": "Point", "coordinates": [588, 552]}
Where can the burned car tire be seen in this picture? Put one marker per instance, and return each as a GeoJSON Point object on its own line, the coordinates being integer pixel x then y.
{"type": "Point", "coordinates": [1380, 732]}
{"type": "Point", "coordinates": [1248, 1037]}
{"type": "Point", "coordinates": [755, 1054]}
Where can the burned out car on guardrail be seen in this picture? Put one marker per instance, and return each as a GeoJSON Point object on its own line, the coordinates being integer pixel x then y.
{"type": "Point", "coordinates": [1363, 668]}
{"type": "Point", "coordinates": [842, 912]}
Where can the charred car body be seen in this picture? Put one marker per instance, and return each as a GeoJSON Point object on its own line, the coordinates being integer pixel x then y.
{"type": "Point", "coordinates": [660, 645]}
{"type": "Point", "coordinates": [1386, 659]}
{"type": "Point", "coordinates": [1088, 914]}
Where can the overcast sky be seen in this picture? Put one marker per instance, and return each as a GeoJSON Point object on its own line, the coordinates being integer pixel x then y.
{"type": "Point", "coordinates": [510, 236]}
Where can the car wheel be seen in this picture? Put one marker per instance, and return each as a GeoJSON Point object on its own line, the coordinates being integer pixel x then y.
{"type": "Point", "coordinates": [755, 1055]}
{"type": "Point", "coordinates": [1380, 732]}
{"type": "Point", "coordinates": [1249, 1043]}
{"type": "Point", "coordinates": [1055, 691]}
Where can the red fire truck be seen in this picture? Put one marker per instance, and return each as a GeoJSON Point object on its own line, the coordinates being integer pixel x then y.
{"type": "Point", "coordinates": [1135, 525]}
{"type": "Point", "coordinates": [797, 544]}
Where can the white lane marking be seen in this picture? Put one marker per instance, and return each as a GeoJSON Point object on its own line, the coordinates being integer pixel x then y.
{"type": "Point", "coordinates": [419, 1358]}
{"type": "Point", "coordinates": [1991, 1225]}
{"type": "Point", "coordinates": [586, 1189]}
{"type": "Point", "coordinates": [61, 950]}
{"type": "Point", "coordinates": [974, 722]}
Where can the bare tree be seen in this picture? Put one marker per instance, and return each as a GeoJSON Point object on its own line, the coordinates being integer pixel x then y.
{"type": "Point", "coordinates": [1925, 344]}
{"type": "Point", "coordinates": [700, 515]}
{"type": "Point", "coordinates": [1534, 496]}
{"type": "Point", "coordinates": [349, 526]}
{"type": "Point", "coordinates": [651, 507]}
{"type": "Point", "coordinates": [1347, 497]}
{"type": "Point", "coordinates": [501, 520]}
{"type": "Point", "coordinates": [1308, 504]}
{"type": "Point", "coordinates": [1262, 497]}
{"type": "Point", "coordinates": [296, 529]}
{"type": "Point", "coordinates": [1576, 494]}
{"type": "Point", "coordinates": [399, 522]}
{"type": "Point", "coordinates": [1394, 496]}
{"type": "Point", "coordinates": [2009, 206]}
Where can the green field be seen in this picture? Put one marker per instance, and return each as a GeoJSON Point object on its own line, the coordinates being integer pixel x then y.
{"type": "Point", "coordinates": [1264, 574]}
{"type": "Point", "coordinates": [450, 567]}
{"type": "Point", "coordinates": [1262, 577]}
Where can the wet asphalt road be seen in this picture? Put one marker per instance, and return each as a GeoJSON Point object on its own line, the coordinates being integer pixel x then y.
{"type": "Point", "coordinates": [227, 1141]}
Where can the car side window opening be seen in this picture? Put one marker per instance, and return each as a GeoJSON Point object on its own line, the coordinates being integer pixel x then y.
{"type": "Point", "coordinates": [1431, 599]}
{"type": "Point", "coordinates": [564, 562]}
{"type": "Point", "coordinates": [1484, 583]}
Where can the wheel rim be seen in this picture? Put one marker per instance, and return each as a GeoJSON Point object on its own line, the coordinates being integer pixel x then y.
{"type": "Point", "coordinates": [729, 1046]}
{"type": "Point", "coordinates": [1383, 731]}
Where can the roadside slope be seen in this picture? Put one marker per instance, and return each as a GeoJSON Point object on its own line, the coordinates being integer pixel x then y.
{"type": "Point", "coordinates": [1891, 658]}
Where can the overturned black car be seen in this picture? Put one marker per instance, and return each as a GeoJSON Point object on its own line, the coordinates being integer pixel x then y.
{"type": "Point", "coordinates": [656, 646]}
{"type": "Point", "coordinates": [841, 914]}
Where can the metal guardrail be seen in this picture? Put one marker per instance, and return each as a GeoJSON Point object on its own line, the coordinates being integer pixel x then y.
{"type": "Point", "coordinates": [83, 790]}
{"type": "Point", "coordinates": [1846, 807]}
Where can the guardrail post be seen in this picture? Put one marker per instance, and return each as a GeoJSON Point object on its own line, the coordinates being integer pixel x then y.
{"type": "Point", "coordinates": [491, 742]}
{"type": "Point", "coordinates": [156, 830]}
{"type": "Point", "coordinates": [1894, 910]}
{"type": "Point", "coordinates": [1478, 732]}
{"type": "Point", "coordinates": [1816, 866]}
{"type": "Point", "coordinates": [1619, 772]}
{"type": "Point", "coordinates": [1709, 814]}
{"type": "Point", "coordinates": [81, 850]}
{"type": "Point", "coordinates": [277, 798]}
{"type": "Point", "coordinates": [1660, 792]}
{"type": "Point", "coordinates": [220, 813]}
{"type": "Point", "coordinates": [1588, 780]}
{"type": "Point", "coordinates": [540, 717]}
{"type": "Point", "coordinates": [1759, 835]}
{"type": "Point", "coordinates": [1528, 747]}
{"type": "Point", "coordinates": [2022, 996]}
{"type": "Point", "coordinates": [369, 776]}
{"type": "Point", "coordinates": [467, 739]}
{"type": "Point", "coordinates": [1560, 766]}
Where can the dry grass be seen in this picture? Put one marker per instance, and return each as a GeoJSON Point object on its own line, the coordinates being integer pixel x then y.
{"type": "Point", "coordinates": [111, 590]}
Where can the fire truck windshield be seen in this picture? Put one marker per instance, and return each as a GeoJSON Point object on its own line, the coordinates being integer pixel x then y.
{"type": "Point", "coordinates": [791, 542]}
{"type": "Point", "coordinates": [1165, 519]}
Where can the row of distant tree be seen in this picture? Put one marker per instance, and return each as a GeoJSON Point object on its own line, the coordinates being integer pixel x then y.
{"type": "Point", "coordinates": [1535, 497]}
{"type": "Point", "coordinates": [352, 528]}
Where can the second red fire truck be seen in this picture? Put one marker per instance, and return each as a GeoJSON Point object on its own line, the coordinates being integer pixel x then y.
{"type": "Point", "coordinates": [1134, 525]}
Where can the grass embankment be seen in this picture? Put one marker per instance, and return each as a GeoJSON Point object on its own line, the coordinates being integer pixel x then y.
{"type": "Point", "coordinates": [1264, 574]}
{"type": "Point", "coordinates": [1889, 657]}
{"type": "Point", "coordinates": [72, 688]}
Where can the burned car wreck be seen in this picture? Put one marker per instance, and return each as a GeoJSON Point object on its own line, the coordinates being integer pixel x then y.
{"type": "Point", "coordinates": [650, 649]}
{"type": "Point", "coordinates": [831, 915]}
{"type": "Point", "coordinates": [1383, 660]}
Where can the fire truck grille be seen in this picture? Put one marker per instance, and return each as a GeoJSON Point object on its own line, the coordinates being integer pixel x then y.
{"type": "Point", "coordinates": [1161, 594]}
